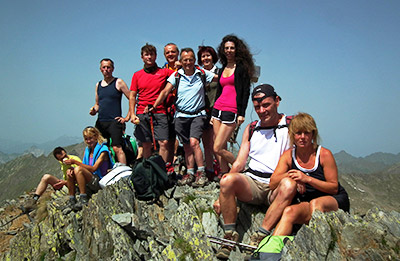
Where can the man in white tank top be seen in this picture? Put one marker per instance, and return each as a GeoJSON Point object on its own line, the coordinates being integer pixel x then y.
{"type": "Point", "coordinates": [264, 142]}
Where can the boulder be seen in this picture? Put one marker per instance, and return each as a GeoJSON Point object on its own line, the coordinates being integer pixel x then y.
{"type": "Point", "coordinates": [117, 226]}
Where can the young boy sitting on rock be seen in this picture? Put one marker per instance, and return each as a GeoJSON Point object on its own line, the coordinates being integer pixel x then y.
{"type": "Point", "coordinates": [61, 155]}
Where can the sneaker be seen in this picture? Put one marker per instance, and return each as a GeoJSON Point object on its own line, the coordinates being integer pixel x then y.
{"type": "Point", "coordinates": [256, 238]}
{"type": "Point", "coordinates": [187, 179]}
{"type": "Point", "coordinates": [201, 179]}
{"type": "Point", "coordinates": [225, 250]}
{"type": "Point", "coordinates": [29, 205]}
{"type": "Point", "coordinates": [83, 201]}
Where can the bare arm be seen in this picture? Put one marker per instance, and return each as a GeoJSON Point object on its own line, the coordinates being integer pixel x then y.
{"type": "Point", "coordinates": [102, 158]}
{"type": "Point", "coordinates": [93, 111]}
{"type": "Point", "coordinates": [330, 185]}
{"type": "Point", "coordinates": [241, 159]}
{"type": "Point", "coordinates": [132, 105]}
{"type": "Point", "coordinates": [281, 170]}
{"type": "Point", "coordinates": [122, 87]}
{"type": "Point", "coordinates": [163, 94]}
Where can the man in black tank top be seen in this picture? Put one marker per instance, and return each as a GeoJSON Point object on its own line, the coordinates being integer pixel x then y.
{"type": "Point", "coordinates": [108, 106]}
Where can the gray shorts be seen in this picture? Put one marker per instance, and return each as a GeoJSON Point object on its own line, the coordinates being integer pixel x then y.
{"type": "Point", "coordinates": [260, 191]}
{"type": "Point", "coordinates": [143, 130]}
{"type": "Point", "coordinates": [187, 128]}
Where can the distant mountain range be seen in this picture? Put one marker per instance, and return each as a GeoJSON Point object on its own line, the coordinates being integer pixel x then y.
{"type": "Point", "coordinates": [370, 180]}
{"type": "Point", "coordinates": [373, 163]}
{"type": "Point", "coordinates": [8, 147]}
{"type": "Point", "coordinates": [24, 172]}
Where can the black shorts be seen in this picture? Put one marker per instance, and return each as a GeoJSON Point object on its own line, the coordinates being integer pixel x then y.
{"type": "Point", "coordinates": [187, 128]}
{"type": "Point", "coordinates": [111, 129]}
{"type": "Point", "coordinates": [207, 124]}
{"type": "Point", "coordinates": [341, 197]}
{"type": "Point", "coordinates": [143, 130]}
{"type": "Point", "coordinates": [226, 117]}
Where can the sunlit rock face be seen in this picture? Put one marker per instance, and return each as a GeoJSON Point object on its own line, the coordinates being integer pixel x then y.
{"type": "Point", "coordinates": [116, 226]}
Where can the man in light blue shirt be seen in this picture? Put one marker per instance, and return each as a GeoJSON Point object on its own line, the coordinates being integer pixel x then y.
{"type": "Point", "coordinates": [190, 113]}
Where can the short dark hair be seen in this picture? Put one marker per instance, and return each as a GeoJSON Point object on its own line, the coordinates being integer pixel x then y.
{"type": "Point", "coordinates": [148, 48]}
{"type": "Point", "coordinates": [177, 49]}
{"type": "Point", "coordinates": [188, 50]}
{"type": "Point", "coordinates": [209, 49]}
{"type": "Point", "coordinates": [58, 151]}
{"type": "Point", "coordinates": [107, 60]}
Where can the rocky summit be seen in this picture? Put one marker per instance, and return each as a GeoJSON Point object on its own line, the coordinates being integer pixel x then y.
{"type": "Point", "coordinates": [117, 226]}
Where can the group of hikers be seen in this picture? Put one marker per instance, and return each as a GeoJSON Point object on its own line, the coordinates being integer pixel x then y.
{"type": "Point", "coordinates": [287, 169]}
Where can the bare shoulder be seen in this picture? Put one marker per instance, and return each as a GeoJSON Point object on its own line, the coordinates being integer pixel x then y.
{"type": "Point", "coordinates": [325, 152]}
{"type": "Point", "coordinates": [326, 155]}
{"type": "Point", "coordinates": [120, 84]}
{"type": "Point", "coordinates": [287, 154]}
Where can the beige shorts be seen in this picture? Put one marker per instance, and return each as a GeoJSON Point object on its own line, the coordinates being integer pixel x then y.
{"type": "Point", "coordinates": [260, 192]}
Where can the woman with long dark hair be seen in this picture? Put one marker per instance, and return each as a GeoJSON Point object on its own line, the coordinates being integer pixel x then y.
{"type": "Point", "coordinates": [232, 94]}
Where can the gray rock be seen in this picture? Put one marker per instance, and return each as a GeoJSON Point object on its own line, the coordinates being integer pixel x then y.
{"type": "Point", "coordinates": [116, 226]}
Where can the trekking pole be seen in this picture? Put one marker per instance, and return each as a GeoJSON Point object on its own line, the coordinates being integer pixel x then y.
{"type": "Point", "coordinates": [12, 219]}
{"type": "Point", "coordinates": [223, 241]}
{"type": "Point", "coordinates": [17, 216]}
{"type": "Point", "coordinates": [152, 130]}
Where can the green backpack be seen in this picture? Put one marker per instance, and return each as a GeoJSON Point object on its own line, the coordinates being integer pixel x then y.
{"type": "Point", "coordinates": [270, 248]}
{"type": "Point", "coordinates": [150, 179]}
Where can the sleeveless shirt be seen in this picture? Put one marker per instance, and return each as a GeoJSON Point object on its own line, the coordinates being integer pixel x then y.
{"type": "Point", "coordinates": [317, 172]}
{"type": "Point", "coordinates": [109, 101]}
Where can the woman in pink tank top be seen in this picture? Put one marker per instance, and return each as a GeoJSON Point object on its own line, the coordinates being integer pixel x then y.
{"type": "Point", "coordinates": [232, 95]}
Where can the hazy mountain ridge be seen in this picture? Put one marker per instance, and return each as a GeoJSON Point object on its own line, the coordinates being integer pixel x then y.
{"type": "Point", "coordinates": [375, 162]}
{"type": "Point", "coordinates": [11, 147]}
{"type": "Point", "coordinates": [7, 157]}
{"type": "Point", "coordinates": [24, 172]}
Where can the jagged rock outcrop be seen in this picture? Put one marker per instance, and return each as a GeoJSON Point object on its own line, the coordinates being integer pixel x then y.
{"type": "Point", "coordinates": [340, 236]}
{"type": "Point", "coordinates": [116, 226]}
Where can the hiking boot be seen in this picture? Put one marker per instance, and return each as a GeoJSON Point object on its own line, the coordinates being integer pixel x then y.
{"type": "Point", "coordinates": [187, 179]}
{"type": "Point", "coordinates": [225, 250]}
{"type": "Point", "coordinates": [210, 175]}
{"type": "Point", "coordinates": [83, 201]}
{"type": "Point", "coordinates": [29, 205]}
{"type": "Point", "coordinates": [201, 179]}
{"type": "Point", "coordinates": [71, 203]}
{"type": "Point", "coordinates": [169, 168]}
{"type": "Point", "coordinates": [256, 238]}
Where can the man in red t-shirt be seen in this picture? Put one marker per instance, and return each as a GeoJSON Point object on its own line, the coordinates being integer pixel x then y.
{"type": "Point", "coordinates": [146, 85]}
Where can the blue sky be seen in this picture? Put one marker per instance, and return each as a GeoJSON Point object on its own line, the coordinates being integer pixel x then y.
{"type": "Point", "coordinates": [337, 60]}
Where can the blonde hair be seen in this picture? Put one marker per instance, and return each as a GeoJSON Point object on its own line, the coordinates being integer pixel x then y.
{"type": "Point", "coordinates": [93, 132]}
{"type": "Point", "coordinates": [304, 122]}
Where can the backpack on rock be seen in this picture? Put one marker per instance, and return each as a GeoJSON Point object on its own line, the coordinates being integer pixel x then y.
{"type": "Point", "coordinates": [149, 178]}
